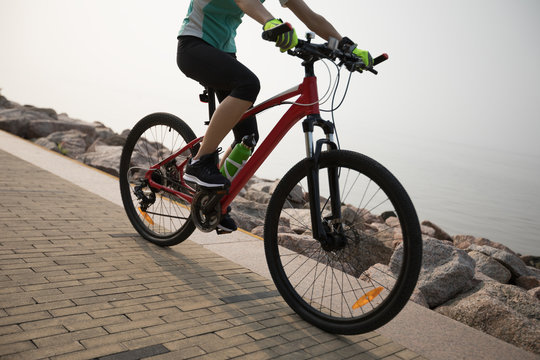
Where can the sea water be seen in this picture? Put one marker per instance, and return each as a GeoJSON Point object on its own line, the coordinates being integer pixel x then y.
{"type": "Point", "coordinates": [465, 189]}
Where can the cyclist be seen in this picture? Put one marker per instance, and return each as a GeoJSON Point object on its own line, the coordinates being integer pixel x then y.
{"type": "Point", "coordinates": [206, 53]}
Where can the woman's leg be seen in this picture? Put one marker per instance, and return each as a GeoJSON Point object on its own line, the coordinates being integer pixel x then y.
{"type": "Point", "coordinates": [221, 71]}
{"type": "Point", "coordinates": [226, 116]}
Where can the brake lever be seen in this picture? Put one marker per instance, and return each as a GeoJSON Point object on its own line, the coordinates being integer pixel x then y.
{"type": "Point", "coordinates": [372, 70]}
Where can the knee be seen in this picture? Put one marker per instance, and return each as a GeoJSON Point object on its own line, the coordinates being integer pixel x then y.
{"type": "Point", "coordinates": [248, 88]}
{"type": "Point", "coordinates": [254, 86]}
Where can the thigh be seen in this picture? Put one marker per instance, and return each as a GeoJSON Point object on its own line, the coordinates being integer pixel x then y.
{"type": "Point", "coordinates": [212, 67]}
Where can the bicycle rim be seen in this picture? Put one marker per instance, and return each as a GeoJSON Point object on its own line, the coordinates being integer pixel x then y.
{"type": "Point", "coordinates": [359, 285]}
{"type": "Point", "coordinates": [157, 215]}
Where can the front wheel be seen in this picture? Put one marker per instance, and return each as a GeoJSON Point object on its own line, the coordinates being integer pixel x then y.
{"type": "Point", "coordinates": [357, 282]}
{"type": "Point", "coordinates": [158, 216]}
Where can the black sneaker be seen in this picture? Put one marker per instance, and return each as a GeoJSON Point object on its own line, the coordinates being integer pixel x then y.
{"type": "Point", "coordinates": [227, 223]}
{"type": "Point", "coordinates": [205, 172]}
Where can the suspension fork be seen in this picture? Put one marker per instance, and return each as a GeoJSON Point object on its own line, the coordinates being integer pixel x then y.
{"type": "Point", "coordinates": [313, 153]}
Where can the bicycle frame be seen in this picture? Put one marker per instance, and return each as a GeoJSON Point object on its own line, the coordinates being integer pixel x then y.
{"type": "Point", "coordinates": [306, 106]}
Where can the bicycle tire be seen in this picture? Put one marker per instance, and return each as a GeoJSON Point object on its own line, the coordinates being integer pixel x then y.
{"type": "Point", "coordinates": [308, 277]}
{"type": "Point", "coordinates": [167, 221]}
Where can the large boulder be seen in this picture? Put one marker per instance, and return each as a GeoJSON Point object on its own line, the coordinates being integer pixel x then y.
{"type": "Point", "coordinates": [71, 143]}
{"type": "Point", "coordinates": [533, 261]}
{"type": "Point", "coordinates": [438, 233]}
{"type": "Point", "coordinates": [446, 271]}
{"type": "Point", "coordinates": [504, 311]}
{"type": "Point", "coordinates": [31, 123]}
{"type": "Point", "coordinates": [105, 158]}
{"type": "Point", "coordinates": [464, 241]}
{"type": "Point", "coordinates": [260, 197]}
{"type": "Point", "coordinates": [512, 262]}
{"type": "Point", "coordinates": [491, 267]}
{"type": "Point", "coordinates": [247, 214]}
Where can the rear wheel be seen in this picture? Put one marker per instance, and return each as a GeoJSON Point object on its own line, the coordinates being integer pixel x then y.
{"type": "Point", "coordinates": [158, 216]}
{"type": "Point", "coordinates": [362, 278]}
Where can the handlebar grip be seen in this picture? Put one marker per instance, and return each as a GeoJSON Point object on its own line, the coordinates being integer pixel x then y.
{"type": "Point", "coordinates": [273, 33]}
{"type": "Point", "coordinates": [379, 59]}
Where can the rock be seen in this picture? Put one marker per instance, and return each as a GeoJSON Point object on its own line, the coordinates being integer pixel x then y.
{"type": "Point", "coordinates": [248, 214]}
{"type": "Point", "coordinates": [247, 222]}
{"type": "Point", "coordinates": [428, 231]}
{"type": "Point", "coordinates": [258, 231]}
{"type": "Point", "coordinates": [446, 271]}
{"type": "Point", "coordinates": [530, 260]}
{"type": "Point", "coordinates": [257, 196]}
{"type": "Point", "coordinates": [4, 102]}
{"type": "Point", "coordinates": [99, 142]}
{"type": "Point", "coordinates": [392, 221]}
{"type": "Point", "coordinates": [527, 282]}
{"type": "Point", "coordinates": [16, 120]}
{"type": "Point", "coordinates": [263, 186]}
{"type": "Point", "coordinates": [512, 262]}
{"type": "Point", "coordinates": [51, 113]}
{"type": "Point", "coordinates": [125, 133]}
{"type": "Point", "coordinates": [295, 199]}
{"type": "Point", "coordinates": [418, 297]}
{"type": "Point", "coordinates": [354, 261]}
{"type": "Point", "coordinates": [114, 140]}
{"type": "Point", "coordinates": [503, 311]}
{"type": "Point", "coordinates": [31, 123]}
{"type": "Point", "coordinates": [535, 292]}
{"type": "Point", "coordinates": [387, 214]}
{"type": "Point", "coordinates": [464, 241]}
{"type": "Point", "coordinates": [47, 144]}
{"type": "Point", "coordinates": [534, 272]}
{"type": "Point", "coordinates": [71, 143]}
{"type": "Point", "coordinates": [44, 127]}
{"type": "Point", "coordinates": [105, 158]}
{"type": "Point", "coordinates": [490, 267]}
{"type": "Point", "coordinates": [244, 206]}
{"type": "Point", "coordinates": [103, 132]}
{"type": "Point", "coordinates": [440, 234]}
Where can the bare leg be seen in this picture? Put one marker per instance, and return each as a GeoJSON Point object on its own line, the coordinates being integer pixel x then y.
{"type": "Point", "coordinates": [225, 156]}
{"type": "Point", "coordinates": [227, 114]}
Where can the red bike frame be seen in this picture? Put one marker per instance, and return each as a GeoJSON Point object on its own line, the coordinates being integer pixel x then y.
{"type": "Point", "coordinates": [306, 104]}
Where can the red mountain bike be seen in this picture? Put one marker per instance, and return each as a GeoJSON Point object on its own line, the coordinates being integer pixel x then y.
{"type": "Point", "coordinates": [341, 235]}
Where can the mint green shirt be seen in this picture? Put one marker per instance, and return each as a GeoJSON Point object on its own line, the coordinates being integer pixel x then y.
{"type": "Point", "coordinates": [214, 21]}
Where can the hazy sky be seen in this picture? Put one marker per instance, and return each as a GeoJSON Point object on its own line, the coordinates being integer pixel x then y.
{"type": "Point", "coordinates": [461, 89]}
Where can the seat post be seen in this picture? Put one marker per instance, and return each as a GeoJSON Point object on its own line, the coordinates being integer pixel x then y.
{"type": "Point", "coordinates": [211, 103]}
{"type": "Point", "coordinates": [209, 96]}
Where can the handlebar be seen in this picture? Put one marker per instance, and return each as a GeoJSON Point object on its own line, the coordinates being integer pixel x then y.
{"type": "Point", "coordinates": [314, 52]}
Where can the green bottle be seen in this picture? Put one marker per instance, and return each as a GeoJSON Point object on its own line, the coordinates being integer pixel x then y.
{"type": "Point", "coordinates": [238, 157]}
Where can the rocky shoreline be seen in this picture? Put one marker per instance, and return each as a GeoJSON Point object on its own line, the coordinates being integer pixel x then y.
{"type": "Point", "coordinates": [473, 280]}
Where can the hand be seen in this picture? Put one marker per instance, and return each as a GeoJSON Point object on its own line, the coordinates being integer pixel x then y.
{"type": "Point", "coordinates": [346, 44]}
{"type": "Point", "coordinates": [285, 41]}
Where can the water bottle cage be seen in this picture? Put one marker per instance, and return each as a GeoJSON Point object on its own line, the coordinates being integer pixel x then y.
{"type": "Point", "coordinates": [235, 164]}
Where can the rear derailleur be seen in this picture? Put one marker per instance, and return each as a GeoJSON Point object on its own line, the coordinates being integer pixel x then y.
{"type": "Point", "coordinates": [146, 199]}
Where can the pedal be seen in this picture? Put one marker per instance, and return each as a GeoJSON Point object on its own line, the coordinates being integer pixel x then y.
{"type": "Point", "coordinates": [223, 232]}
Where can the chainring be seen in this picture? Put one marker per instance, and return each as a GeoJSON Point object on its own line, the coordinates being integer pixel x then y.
{"type": "Point", "coordinates": [205, 216]}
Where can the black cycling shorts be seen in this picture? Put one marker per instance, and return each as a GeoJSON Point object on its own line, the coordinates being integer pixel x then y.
{"type": "Point", "coordinates": [221, 71]}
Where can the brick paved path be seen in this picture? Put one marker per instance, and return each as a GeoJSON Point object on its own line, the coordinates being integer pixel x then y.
{"type": "Point", "coordinates": [77, 282]}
